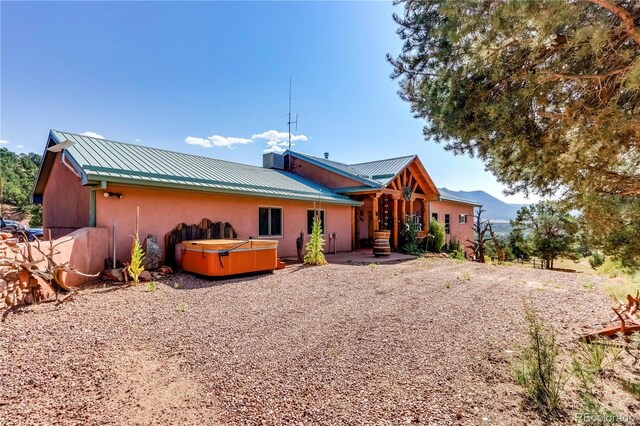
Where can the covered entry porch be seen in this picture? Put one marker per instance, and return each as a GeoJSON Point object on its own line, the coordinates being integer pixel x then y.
{"type": "Point", "coordinates": [405, 198]}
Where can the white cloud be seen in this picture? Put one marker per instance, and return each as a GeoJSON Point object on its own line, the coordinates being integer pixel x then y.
{"type": "Point", "coordinates": [92, 135]}
{"type": "Point", "coordinates": [278, 141]}
{"type": "Point", "coordinates": [216, 140]}
{"type": "Point", "coordinates": [138, 140]}
{"type": "Point", "coordinates": [19, 146]}
{"type": "Point", "coordinates": [4, 142]}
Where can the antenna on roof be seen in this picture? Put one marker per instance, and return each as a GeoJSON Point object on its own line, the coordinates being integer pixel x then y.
{"type": "Point", "coordinates": [289, 123]}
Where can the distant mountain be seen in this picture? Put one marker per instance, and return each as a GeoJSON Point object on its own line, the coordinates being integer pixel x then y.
{"type": "Point", "coordinates": [496, 210]}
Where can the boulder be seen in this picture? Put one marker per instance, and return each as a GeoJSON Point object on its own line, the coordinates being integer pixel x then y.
{"type": "Point", "coordinates": [152, 253]}
{"type": "Point", "coordinates": [113, 275]}
{"type": "Point", "coordinates": [145, 276]}
{"type": "Point", "coordinates": [165, 270]}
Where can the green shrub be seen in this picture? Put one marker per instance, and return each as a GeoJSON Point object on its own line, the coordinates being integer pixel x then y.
{"type": "Point", "coordinates": [536, 369]}
{"type": "Point", "coordinates": [315, 251]}
{"type": "Point", "coordinates": [137, 256]}
{"type": "Point", "coordinates": [409, 235]}
{"type": "Point", "coordinates": [596, 260]}
{"type": "Point", "coordinates": [457, 254]}
{"type": "Point", "coordinates": [35, 215]}
{"type": "Point", "coordinates": [598, 355]}
{"type": "Point", "coordinates": [436, 238]}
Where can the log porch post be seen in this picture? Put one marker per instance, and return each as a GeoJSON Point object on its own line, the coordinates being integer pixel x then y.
{"type": "Point", "coordinates": [411, 208]}
{"type": "Point", "coordinates": [395, 223]}
{"type": "Point", "coordinates": [374, 208]}
{"type": "Point", "coordinates": [426, 213]}
{"type": "Point", "coordinates": [354, 223]}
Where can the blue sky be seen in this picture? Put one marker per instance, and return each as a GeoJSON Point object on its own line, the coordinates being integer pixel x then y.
{"type": "Point", "coordinates": [212, 79]}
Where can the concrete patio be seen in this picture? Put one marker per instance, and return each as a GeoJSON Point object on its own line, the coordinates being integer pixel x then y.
{"type": "Point", "coordinates": [365, 257]}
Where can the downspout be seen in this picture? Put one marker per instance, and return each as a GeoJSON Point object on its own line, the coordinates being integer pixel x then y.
{"type": "Point", "coordinates": [92, 208]}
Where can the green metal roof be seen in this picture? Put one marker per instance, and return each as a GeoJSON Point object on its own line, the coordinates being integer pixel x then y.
{"type": "Point", "coordinates": [336, 167]}
{"type": "Point", "coordinates": [118, 162]}
{"type": "Point", "coordinates": [383, 171]}
{"type": "Point", "coordinates": [447, 196]}
{"type": "Point", "coordinates": [374, 174]}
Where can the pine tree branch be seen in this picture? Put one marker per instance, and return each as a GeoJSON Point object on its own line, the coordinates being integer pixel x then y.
{"type": "Point", "coordinates": [588, 76]}
{"type": "Point", "coordinates": [621, 13]}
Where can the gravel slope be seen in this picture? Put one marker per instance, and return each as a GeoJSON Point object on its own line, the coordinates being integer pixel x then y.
{"type": "Point", "coordinates": [427, 341]}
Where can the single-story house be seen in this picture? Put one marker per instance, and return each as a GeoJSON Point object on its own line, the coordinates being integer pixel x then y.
{"type": "Point", "coordinates": [90, 182]}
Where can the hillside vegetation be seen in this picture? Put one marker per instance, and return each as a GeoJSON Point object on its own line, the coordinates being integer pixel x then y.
{"type": "Point", "coordinates": [18, 173]}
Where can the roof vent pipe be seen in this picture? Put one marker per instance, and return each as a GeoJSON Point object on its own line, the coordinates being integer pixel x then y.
{"type": "Point", "coordinates": [326, 155]}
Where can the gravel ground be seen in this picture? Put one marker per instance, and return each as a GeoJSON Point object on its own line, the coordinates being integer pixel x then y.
{"type": "Point", "coordinates": [427, 341]}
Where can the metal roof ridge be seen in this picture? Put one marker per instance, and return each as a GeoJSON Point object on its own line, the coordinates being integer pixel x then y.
{"type": "Point", "coordinates": [384, 159]}
{"type": "Point", "coordinates": [161, 149]}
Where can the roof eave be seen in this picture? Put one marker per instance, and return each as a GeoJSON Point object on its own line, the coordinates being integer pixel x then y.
{"type": "Point", "coordinates": [470, 203]}
{"type": "Point", "coordinates": [185, 187]}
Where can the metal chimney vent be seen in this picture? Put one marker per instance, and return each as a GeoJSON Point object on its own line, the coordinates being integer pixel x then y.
{"type": "Point", "coordinates": [326, 155]}
{"type": "Point", "coordinates": [273, 160]}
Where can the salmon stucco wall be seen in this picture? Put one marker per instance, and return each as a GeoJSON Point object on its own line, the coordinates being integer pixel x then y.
{"type": "Point", "coordinates": [162, 210]}
{"type": "Point", "coordinates": [460, 231]}
{"type": "Point", "coordinates": [321, 175]}
{"type": "Point", "coordinates": [85, 250]}
{"type": "Point", "coordinates": [65, 202]}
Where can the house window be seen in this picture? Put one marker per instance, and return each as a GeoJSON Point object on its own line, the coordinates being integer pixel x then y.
{"type": "Point", "coordinates": [270, 221]}
{"type": "Point", "coordinates": [434, 216]}
{"type": "Point", "coordinates": [447, 224]}
{"type": "Point", "coordinates": [310, 214]}
{"type": "Point", "coordinates": [462, 218]}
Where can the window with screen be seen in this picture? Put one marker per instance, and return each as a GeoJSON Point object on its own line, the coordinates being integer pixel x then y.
{"type": "Point", "coordinates": [447, 224]}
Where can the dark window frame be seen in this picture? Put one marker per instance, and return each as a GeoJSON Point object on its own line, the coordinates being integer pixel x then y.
{"type": "Point", "coordinates": [434, 216]}
{"type": "Point", "coordinates": [447, 224]}
{"type": "Point", "coordinates": [269, 221]}
{"type": "Point", "coordinates": [323, 219]}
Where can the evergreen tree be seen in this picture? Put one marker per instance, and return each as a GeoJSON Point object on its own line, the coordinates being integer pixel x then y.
{"type": "Point", "coordinates": [546, 93]}
{"type": "Point", "coordinates": [552, 231]}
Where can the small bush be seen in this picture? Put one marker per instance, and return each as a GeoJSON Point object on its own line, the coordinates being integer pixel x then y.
{"type": "Point", "coordinates": [35, 216]}
{"type": "Point", "coordinates": [436, 238]}
{"type": "Point", "coordinates": [536, 370]}
{"type": "Point", "coordinates": [593, 414]}
{"type": "Point", "coordinates": [632, 387]}
{"type": "Point", "coordinates": [596, 260]}
{"type": "Point", "coordinates": [457, 254]}
{"type": "Point", "coordinates": [598, 356]}
{"type": "Point", "coordinates": [409, 235]}
{"type": "Point", "coordinates": [137, 256]}
{"type": "Point", "coordinates": [315, 250]}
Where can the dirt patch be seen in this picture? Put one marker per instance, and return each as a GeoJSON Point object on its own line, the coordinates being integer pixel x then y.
{"type": "Point", "coordinates": [428, 341]}
{"type": "Point", "coordinates": [148, 390]}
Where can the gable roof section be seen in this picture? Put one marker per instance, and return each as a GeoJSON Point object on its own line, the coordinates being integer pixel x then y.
{"type": "Point", "coordinates": [373, 174]}
{"type": "Point", "coordinates": [106, 160]}
{"type": "Point", "coordinates": [383, 171]}
{"type": "Point", "coordinates": [336, 167]}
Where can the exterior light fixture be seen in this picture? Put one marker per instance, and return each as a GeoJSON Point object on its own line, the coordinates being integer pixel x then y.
{"type": "Point", "coordinates": [112, 194]}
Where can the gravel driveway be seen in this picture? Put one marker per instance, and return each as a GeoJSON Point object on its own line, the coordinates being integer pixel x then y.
{"type": "Point", "coordinates": [427, 341]}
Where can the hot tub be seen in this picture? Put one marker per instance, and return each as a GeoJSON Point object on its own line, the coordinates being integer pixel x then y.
{"type": "Point", "coordinates": [217, 258]}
